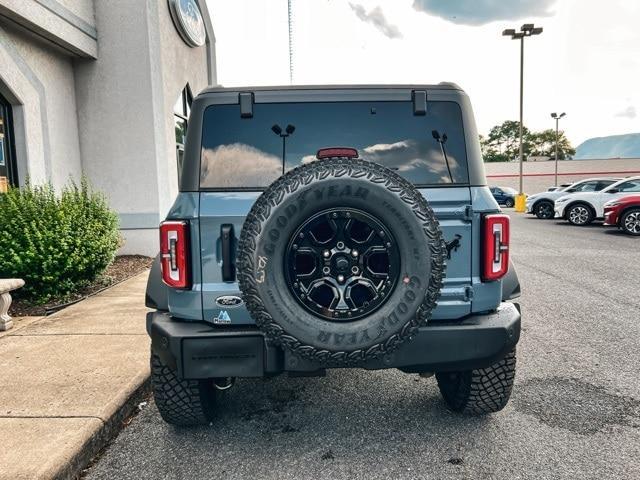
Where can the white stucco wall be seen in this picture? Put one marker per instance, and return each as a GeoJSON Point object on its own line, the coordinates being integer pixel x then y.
{"type": "Point", "coordinates": [39, 81]}
{"type": "Point", "coordinates": [125, 109]}
{"type": "Point", "coordinates": [96, 96]}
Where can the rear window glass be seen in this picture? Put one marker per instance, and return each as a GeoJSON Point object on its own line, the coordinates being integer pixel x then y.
{"type": "Point", "coordinates": [251, 153]}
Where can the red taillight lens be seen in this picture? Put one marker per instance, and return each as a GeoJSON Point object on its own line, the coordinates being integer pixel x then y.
{"type": "Point", "coordinates": [495, 247]}
{"type": "Point", "coordinates": [174, 254]}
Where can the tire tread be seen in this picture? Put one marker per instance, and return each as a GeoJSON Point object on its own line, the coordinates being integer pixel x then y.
{"type": "Point", "coordinates": [180, 402]}
{"type": "Point", "coordinates": [304, 175]}
{"type": "Point", "coordinates": [480, 391]}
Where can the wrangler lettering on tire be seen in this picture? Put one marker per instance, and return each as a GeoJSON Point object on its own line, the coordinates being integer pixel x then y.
{"type": "Point", "coordinates": [340, 261]}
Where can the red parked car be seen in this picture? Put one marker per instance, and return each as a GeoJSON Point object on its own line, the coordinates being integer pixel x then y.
{"type": "Point", "coordinates": [624, 213]}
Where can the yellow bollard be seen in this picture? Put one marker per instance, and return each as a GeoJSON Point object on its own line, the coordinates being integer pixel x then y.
{"type": "Point", "coordinates": [521, 200]}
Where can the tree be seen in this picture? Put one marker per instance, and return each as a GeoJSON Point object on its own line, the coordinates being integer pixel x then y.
{"type": "Point", "coordinates": [503, 143]}
{"type": "Point", "coordinates": [544, 144]}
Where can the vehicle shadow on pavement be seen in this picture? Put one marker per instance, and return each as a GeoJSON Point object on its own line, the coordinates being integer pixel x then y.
{"type": "Point", "coordinates": [333, 413]}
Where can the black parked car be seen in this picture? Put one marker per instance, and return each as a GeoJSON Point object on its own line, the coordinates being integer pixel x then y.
{"type": "Point", "coordinates": [504, 196]}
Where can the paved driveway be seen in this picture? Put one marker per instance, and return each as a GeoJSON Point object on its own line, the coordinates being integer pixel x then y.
{"type": "Point", "coordinates": [575, 411]}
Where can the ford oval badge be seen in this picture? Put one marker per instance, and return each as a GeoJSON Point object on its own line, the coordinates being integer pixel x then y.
{"type": "Point", "coordinates": [229, 301]}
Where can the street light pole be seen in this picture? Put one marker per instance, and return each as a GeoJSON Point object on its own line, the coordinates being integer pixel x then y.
{"type": "Point", "coordinates": [557, 119]}
{"type": "Point", "coordinates": [527, 30]}
{"type": "Point", "coordinates": [520, 188]}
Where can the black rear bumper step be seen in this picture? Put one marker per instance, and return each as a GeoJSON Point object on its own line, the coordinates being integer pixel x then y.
{"type": "Point", "coordinates": [197, 350]}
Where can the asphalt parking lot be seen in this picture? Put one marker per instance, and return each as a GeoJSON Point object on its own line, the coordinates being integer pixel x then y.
{"type": "Point", "coordinates": [574, 413]}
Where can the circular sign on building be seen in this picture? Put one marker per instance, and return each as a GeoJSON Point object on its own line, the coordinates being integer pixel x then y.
{"type": "Point", "coordinates": [188, 21]}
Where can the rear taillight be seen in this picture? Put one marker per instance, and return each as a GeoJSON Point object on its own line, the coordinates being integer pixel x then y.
{"type": "Point", "coordinates": [174, 254]}
{"type": "Point", "coordinates": [495, 246]}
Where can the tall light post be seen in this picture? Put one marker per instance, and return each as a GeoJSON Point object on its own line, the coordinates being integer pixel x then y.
{"type": "Point", "coordinates": [527, 30]}
{"type": "Point", "coordinates": [557, 118]}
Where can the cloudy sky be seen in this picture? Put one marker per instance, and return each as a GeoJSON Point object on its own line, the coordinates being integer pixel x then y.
{"type": "Point", "coordinates": [586, 62]}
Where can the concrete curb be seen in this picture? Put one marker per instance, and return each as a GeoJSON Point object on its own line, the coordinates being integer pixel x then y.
{"type": "Point", "coordinates": [111, 427]}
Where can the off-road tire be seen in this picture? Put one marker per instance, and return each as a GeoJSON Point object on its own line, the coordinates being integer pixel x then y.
{"type": "Point", "coordinates": [258, 290]}
{"type": "Point", "coordinates": [481, 391]}
{"type": "Point", "coordinates": [181, 402]}
{"type": "Point", "coordinates": [509, 203]}
{"type": "Point", "coordinates": [540, 213]}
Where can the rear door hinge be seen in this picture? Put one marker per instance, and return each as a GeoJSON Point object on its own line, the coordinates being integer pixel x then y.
{"type": "Point", "coordinates": [468, 293]}
{"type": "Point", "coordinates": [468, 213]}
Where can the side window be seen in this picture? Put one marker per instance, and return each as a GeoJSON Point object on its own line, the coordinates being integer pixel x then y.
{"type": "Point", "coordinates": [587, 187]}
{"type": "Point", "coordinates": [604, 184]}
{"type": "Point", "coordinates": [181, 111]}
{"type": "Point", "coordinates": [631, 186]}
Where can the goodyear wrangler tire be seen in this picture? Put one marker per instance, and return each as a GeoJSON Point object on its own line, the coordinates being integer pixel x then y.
{"type": "Point", "coordinates": [340, 261]}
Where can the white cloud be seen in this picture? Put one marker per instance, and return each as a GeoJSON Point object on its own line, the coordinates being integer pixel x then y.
{"type": "Point", "coordinates": [629, 112]}
{"type": "Point", "coordinates": [376, 18]}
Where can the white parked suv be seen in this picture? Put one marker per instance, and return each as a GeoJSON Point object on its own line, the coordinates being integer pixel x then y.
{"type": "Point", "coordinates": [541, 204]}
{"type": "Point", "coordinates": [581, 208]}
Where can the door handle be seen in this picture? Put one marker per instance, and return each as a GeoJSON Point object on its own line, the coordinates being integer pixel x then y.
{"type": "Point", "coordinates": [228, 239]}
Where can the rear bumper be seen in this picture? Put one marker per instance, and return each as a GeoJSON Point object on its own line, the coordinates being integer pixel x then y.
{"type": "Point", "coordinates": [197, 350]}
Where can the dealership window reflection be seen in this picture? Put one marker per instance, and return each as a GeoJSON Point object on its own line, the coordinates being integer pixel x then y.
{"type": "Point", "coordinates": [181, 111]}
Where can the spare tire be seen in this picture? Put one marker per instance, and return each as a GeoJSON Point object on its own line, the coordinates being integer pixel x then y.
{"type": "Point", "coordinates": [340, 261]}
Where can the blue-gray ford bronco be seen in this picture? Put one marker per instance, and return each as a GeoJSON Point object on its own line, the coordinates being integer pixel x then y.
{"type": "Point", "coordinates": [332, 227]}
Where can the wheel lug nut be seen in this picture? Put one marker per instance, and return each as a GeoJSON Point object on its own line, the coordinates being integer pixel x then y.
{"type": "Point", "coordinates": [388, 244]}
{"type": "Point", "coordinates": [340, 278]}
{"type": "Point", "coordinates": [301, 235]}
{"type": "Point", "coordinates": [326, 270]}
{"type": "Point", "coordinates": [326, 254]}
{"type": "Point", "coordinates": [354, 253]}
{"type": "Point", "coordinates": [354, 270]}
{"type": "Point", "coordinates": [340, 246]}
{"type": "Point", "coordinates": [295, 246]}
{"type": "Point", "coordinates": [334, 214]}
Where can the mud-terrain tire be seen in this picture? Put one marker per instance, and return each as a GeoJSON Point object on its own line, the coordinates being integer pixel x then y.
{"type": "Point", "coordinates": [340, 185]}
{"type": "Point", "coordinates": [181, 402]}
{"type": "Point", "coordinates": [481, 391]}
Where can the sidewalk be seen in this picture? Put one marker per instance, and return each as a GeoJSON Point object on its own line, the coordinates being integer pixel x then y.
{"type": "Point", "coordinates": [68, 380]}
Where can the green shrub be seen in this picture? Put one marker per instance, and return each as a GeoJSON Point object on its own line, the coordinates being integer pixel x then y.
{"type": "Point", "coordinates": [57, 244]}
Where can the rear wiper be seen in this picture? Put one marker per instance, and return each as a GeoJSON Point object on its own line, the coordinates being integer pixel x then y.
{"type": "Point", "coordinates": [442, 139]}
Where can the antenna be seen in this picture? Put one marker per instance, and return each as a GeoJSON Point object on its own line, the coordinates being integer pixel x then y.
{"type": "Point", "coordinates": [290, 13]}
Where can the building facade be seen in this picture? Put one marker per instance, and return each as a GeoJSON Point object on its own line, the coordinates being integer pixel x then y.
{"type": "Point", "coordinates": [102, 89]}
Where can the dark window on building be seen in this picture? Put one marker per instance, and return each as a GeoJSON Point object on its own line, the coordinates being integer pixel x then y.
{"type": "Point", "coordinates": [8, 168]}
{"type": "Point", "coordinates": [247, 152]}
{"type": "Point", "coordinates": [181, 111]}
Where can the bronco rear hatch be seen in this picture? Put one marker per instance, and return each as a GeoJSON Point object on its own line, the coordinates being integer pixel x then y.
{"type": "Point", "coordinates": [248, 141]}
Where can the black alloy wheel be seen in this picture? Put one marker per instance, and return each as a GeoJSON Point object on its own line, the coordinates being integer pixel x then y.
{"type": "Point", "coordinates": [342, 263]}
{"type": "Point", "coordinates": [544, 210]}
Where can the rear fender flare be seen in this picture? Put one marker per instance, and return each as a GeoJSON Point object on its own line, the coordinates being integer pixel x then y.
{"type": "Point", "coordinates": [510, 284]}
{"type": "Point", "coordinates": [157, 294]}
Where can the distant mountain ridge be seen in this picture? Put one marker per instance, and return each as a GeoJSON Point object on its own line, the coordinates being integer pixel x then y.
{"type": "Point", "coordinates": [613, 146]}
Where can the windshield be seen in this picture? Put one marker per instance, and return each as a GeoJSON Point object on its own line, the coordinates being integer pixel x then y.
{"type": "Point", "coordinates": [251, 153]}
